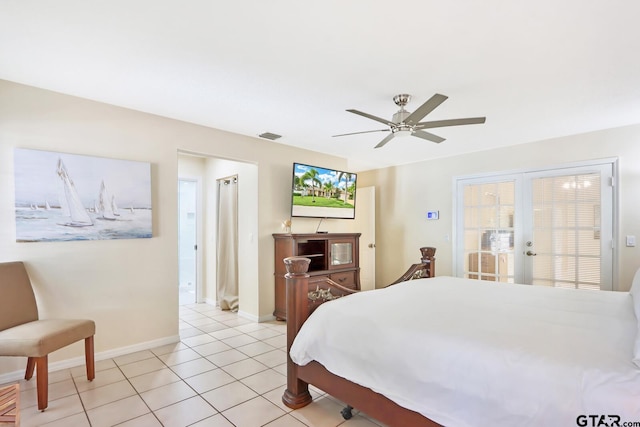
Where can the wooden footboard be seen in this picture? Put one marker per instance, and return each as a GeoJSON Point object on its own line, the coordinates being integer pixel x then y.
{"type": "Point", "coordinates": [299, 377]}
{"type": "Point", "coordinates": [426, 268]}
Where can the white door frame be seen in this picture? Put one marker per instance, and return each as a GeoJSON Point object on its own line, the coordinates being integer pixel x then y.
{"type": "Point", "coordinates": [365, 223]}
{"type": "Point", "coordinates": [199, 233]}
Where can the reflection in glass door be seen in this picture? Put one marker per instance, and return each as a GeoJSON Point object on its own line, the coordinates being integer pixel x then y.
{"type": "Point", "coordinates": [488, 250]}
{"type": "Point", "coordinates": [187, 241]}
{"type": "Point", "coordinates": [551, 227]}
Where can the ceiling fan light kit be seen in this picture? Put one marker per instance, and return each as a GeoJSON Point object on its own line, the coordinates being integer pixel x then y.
{"type": "Point", "coordinates": [402, 132]}
{"type": "Point", "coordinates": [405, 123]}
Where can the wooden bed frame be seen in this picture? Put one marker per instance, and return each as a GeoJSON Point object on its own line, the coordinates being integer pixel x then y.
{"type": "Point", "coordinates": [304, 294]}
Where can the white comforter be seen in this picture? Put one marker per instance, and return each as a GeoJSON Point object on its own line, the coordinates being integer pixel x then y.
{"type": "Point", "coordinates": [475, 353]}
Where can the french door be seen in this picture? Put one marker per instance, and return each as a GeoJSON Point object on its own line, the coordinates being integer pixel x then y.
{"type": "Point", "coordinates": [550, 227]}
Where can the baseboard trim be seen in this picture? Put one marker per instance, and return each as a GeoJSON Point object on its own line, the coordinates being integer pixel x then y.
{"type": "Point", "coordinates": [266, 318]}
{"type": "Point", "coordinates": [147, 345]}
{"type": "Point", "coordinates": [248, 316]}
{"type": "Point", "coordinates": [254, 318]}
{"type": "Point", "coordinates": [103, 355]}
{"type": "Point", "coordinates": [244, 314]}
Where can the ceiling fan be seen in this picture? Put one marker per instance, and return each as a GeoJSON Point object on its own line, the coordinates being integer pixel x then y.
{"type": "Point", "coordinates": [405, 123]}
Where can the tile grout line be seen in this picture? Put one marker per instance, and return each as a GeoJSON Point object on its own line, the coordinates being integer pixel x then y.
{"type": "Point", "coordinates": [84, 409]}
{"type": "Point", "coordinates": [240, 379]}
{"type": "Point", "coordinates": [240, 328]}
{"type": "Point", "coordinates": [137, 392]}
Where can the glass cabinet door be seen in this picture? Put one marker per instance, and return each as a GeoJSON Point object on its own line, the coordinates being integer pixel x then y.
{"type": "Point", "coordinates": [341, 253]}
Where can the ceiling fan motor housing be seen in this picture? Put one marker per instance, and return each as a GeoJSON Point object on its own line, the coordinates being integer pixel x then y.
{"type": "Point", "coordinates": [398, 118]}
{"type": "Point", "coordinates": [398, 124]}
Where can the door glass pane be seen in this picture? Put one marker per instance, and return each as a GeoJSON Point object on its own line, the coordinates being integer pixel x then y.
{"type": "Point", "coordinates": [566, 231]}
{"type": "Point", "coordinates": [488, 231]}
{"type": "Point", "coordinates": [561, 220]}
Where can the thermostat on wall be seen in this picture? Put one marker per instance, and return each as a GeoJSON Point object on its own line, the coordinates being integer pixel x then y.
{"type": "Point", "coordinates": [433, 214]}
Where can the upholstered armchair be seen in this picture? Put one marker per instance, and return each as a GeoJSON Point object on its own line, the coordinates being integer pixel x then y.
{"type": "Point", "coordinates": [23, 334]}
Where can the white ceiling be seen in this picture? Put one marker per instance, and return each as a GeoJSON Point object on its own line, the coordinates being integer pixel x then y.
{"type": "Point", "coordinates": [535, 69]}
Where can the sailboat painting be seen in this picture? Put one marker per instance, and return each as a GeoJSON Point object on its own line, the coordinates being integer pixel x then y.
{"type": "Point", "coordinates": [63, 197]}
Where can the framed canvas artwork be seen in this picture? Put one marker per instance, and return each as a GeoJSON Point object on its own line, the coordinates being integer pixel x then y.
{"type": "Point", "coordinates": [61, 197]}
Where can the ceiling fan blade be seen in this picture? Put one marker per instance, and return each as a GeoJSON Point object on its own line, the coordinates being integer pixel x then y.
{"type": "Point", "coordinates": [366, 131]}
{"type": "Point", "coordinates": [452, 122]}
{"type": "Point", "coordinates": [369, 116]}
{"type": "Point", "coordinates": [428, 136]}
{"type": "Point", "coordinates": [384, 141]}
{"type": "Point", "coordinates": [425, 109]}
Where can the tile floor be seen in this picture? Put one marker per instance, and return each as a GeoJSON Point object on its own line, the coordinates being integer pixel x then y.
{"type": "Point", "coordinates": [226, 371]}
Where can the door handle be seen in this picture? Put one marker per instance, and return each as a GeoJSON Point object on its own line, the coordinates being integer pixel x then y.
{"type": "Point", "coordinates": [529, 253]}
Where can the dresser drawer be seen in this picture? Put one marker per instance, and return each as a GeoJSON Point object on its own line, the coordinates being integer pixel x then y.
{"type": "Point", "coordinates": [346, 279]}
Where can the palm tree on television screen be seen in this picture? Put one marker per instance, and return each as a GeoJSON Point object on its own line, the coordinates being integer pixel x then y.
{"type": "Point", "coordinates": [297, 183]}
{"type": "Point", "coordinates": [328, 188]}
{"type": "Point", "coordinates": [312, 175]}
{"type": "Point", "coordinates": [347, 178]}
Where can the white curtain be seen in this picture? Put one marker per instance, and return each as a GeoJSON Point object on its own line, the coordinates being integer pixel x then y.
{"type": "Point", "coordinates": [227, 259]}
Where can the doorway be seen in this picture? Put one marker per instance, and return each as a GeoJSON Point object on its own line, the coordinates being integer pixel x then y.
{"type": "Point", "coordinates": [206, 170]}
{"type": "Point", "coordinates": [551, 227]}
{"type": "Point", "coordinates": [187, 241]}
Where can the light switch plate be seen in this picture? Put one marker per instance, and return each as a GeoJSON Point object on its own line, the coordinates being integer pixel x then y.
{"type": "Point", "coordinates": [631, 241]}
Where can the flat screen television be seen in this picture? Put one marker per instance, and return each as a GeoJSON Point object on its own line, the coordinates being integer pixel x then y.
{"type": "Point", "coordinates": [319, 192]}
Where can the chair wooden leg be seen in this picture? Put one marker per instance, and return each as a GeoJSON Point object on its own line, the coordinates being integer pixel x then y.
{"type": "Point", "coordinates": [31, 364]}
{"type": "Point", "coordinates": [42, 378]}
{"type": "Point", "coordinates": [88, 355]}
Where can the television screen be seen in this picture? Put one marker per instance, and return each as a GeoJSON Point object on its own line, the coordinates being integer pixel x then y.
{"type": "Point", "coordinates": [322, 193]}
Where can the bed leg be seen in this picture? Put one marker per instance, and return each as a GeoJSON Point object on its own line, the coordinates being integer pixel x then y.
{"type": "Point", "coordinates": [298, 397]}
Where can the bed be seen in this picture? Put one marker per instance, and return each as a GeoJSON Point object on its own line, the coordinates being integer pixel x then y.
{"type": "Point", "coordinates": [458, 352]}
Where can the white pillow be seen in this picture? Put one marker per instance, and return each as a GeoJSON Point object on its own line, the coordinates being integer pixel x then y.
{"type": "Point", "coordinates": [635, 296]}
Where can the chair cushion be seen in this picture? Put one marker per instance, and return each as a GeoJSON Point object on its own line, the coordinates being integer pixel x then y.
{"type": "Point", "coordinates": [41, 337]}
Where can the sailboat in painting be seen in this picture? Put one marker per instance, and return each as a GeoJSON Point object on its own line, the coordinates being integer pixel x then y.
{"type": "Point", "coordinates": [114, 207]}
{"type": "Point", "coordinates": [77, 212]}
{"type": "Point", "coordinates": [104, 204]}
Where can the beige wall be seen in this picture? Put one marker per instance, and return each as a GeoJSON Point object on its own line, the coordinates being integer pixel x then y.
{"type": "Point", "coordinates": [130, 286]}
{"type": "Point", "coordinates": [406, 193]}
{"type": "Point", "coordinates": [121, 283]}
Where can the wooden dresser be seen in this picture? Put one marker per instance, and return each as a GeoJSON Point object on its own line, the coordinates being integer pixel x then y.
{"type": "Point", "coordinates": [335, 255]}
